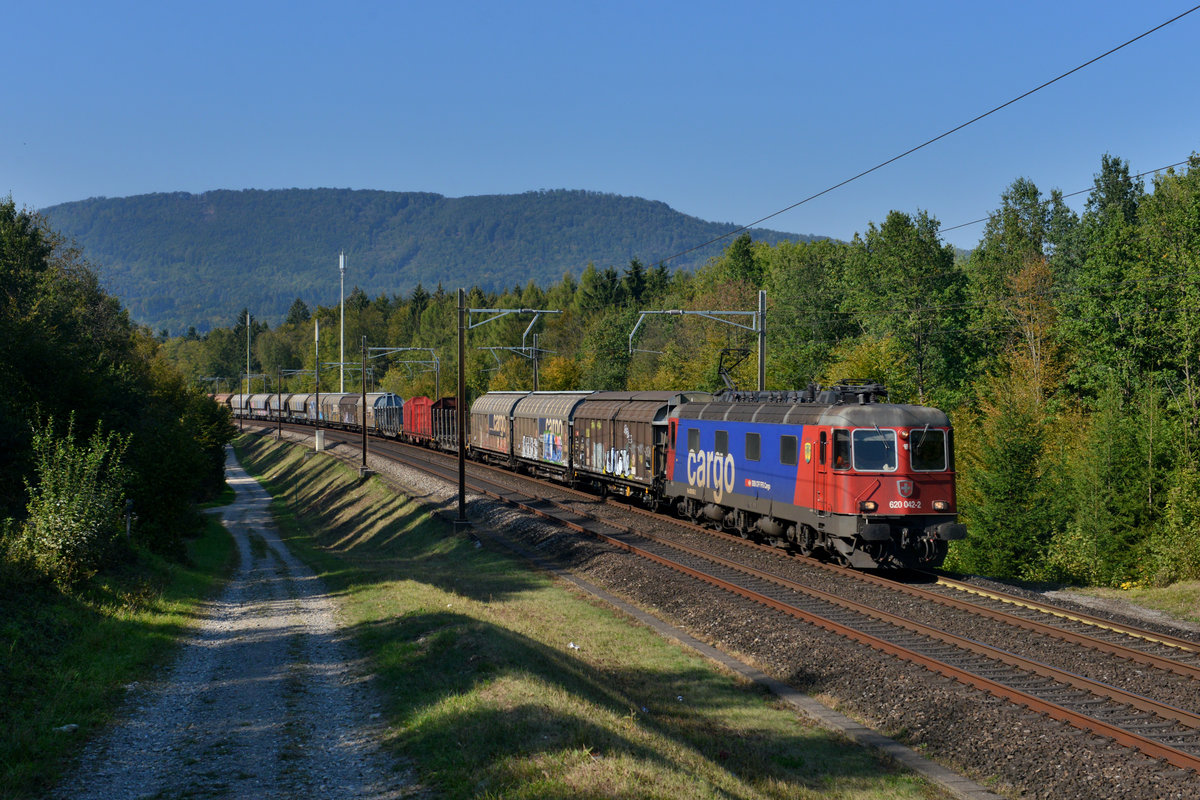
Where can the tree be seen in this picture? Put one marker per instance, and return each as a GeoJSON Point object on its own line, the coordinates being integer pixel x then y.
{"type": "Point", "coordinates": [605, 362]}
{"type": "Point", "coordinates": [598, 289]}
{"type": "Point", "coordinates": [1001, 493]}
{"type": "Point", "coordinates": [1016, 234]}
{"type": "Point", "coordinates": [741, 262]}
{"type": "Point", "coordinates": [902, 284]}
{"type": "Point", "coordinates": [298, 313]}
{"type": "Point", "coordinates": [560, 374]}
{"type": "Point", "coordinates": [1103, 324]}
{"type": "Point", "coordinates": [73, 351]}
{"type": "Point", "coordinates": [25, 252]}
{"type": "Point", "coordinates": [658, 282]}
{"type": "Point", "coordinates": [357, 301]}
{"type": "Point", "coordinates": [1114, 192]}
{"type": "Point", "coordinates": [1169, 244]}
{"type": "Point", "coordinates": [634, 282]}
{"type": "Point", "coordinates": [805, 293]}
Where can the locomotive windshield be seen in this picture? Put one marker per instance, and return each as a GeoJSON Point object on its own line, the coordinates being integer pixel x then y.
{"type": "Point", "coordinates": [874, 450]}
{"type": "Point", "coordinates": [928, 450]}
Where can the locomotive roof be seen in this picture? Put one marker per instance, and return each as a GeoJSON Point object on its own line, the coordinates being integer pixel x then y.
{"type": "Point", "coordinates": [850, 415]}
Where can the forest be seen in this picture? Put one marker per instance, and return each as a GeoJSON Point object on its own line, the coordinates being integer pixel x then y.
{"type": "Point", "coordinates": [178, 260]}
{"type": "Point", "coordinates": [99, 435]}
{"type": "Point", "coordinates": [1065, 347]}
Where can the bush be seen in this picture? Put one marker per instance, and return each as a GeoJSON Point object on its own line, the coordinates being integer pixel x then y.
{"type": "Point", "coordinates": [75, 508]}
{"type": "Point", "coordinates": [1175, 549]}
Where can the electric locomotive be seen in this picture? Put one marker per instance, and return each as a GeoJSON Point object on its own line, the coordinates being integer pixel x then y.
{"type": "Point", "coordinates": [831, 473]}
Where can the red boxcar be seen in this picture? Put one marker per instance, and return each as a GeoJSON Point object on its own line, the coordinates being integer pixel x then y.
{"type": "Point", "coordinates": [418, 422]}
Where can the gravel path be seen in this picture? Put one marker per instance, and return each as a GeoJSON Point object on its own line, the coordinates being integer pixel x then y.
{"type": "Point", "coordinates": [266, 699]}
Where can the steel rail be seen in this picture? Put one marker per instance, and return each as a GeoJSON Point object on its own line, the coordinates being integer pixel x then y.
{"type": "Point", "coordinates": [1078, 616]}
{"type": "Point", "coordinates": [1149, 747]}
{"type": "Point", "coordinates": [1132, 654]}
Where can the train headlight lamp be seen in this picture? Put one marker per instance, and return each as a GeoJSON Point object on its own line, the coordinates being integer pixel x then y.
{"type": "Point", "coordinates": [941, 505]}
{"type": "Point", "coordinates": [868, 506]}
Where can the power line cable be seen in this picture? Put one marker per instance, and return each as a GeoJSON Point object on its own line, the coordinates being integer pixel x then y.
{"type": "Point", "coordinates": [912, 150]}
{"type": "Point", "coordinates": [1065, 196]}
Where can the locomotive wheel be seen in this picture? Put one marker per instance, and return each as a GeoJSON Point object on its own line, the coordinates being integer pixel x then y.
{"type": "Point", "coordinates": [807, 541]}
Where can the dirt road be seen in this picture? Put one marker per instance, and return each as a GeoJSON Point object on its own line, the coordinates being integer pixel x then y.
{"type": "Point", "coordinates": [265, 700]}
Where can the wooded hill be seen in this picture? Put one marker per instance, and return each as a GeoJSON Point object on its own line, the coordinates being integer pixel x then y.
{"type": "Point", "coordinates": [180, 260]}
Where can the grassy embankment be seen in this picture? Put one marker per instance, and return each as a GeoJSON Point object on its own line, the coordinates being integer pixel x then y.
{"type": "Point", "coordinates": [500, 682]}
{"type": "Point", "coordinates": [1179, 600]}
{"type": "Point", "coordinates": [66, 658]}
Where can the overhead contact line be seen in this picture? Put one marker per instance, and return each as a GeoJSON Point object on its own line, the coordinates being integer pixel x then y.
{"type": "Point", "coordinates": [928, 142]}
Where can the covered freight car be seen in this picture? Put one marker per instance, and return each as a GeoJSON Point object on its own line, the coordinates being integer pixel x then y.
{"type": "Point", "coordinates": [262, 406]}
{"type": "Point", "coordinates": [491, 427]}
{"type": "Point", "coordinates": [297, 407]}
{"type": "Point", "coordinates": [620, 440]}
{"type": "Point", "coordinates": [541, 431]}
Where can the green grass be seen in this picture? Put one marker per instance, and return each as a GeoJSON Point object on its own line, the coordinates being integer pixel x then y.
{"type": "Point", "coordinates": [1180, 600]}
{"type": "Point", "coordinates": [226, 497]}
{"type": "Point", "coordinates": [65, 658]}
{"type": "Point", "coordinates": [485, 694]}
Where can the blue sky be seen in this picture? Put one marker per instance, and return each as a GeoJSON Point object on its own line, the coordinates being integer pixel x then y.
{"type": "Point", "coordinates": [726, 111]}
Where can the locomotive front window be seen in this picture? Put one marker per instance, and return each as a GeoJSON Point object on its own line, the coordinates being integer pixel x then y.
{"type": "Point", "coordinates": [874, 450]}
{"type": "Point", "coordinates": [928, 450]}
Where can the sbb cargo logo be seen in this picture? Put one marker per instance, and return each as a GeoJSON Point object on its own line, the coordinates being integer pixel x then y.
{"type": "Point", "coordinates": [751, 483]}
{"type": "Point", "coordinates": [710, 470]}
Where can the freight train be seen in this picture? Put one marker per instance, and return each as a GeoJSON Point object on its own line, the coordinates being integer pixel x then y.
{"type": "Point", "coordinates": [835, 473]}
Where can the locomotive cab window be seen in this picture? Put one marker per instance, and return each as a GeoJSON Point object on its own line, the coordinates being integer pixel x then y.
{"type": "Point", "coordinates": [721, 445]}
{"type": "Point", "coordinates": [841, 449]}
{"type": "Point", "coordinates": [928, 450]}
{"type": "Point", "coordinates": [753, 446]}
{"type": "Point", "coordinates": [874, 450]}
{"type": "Point", "coordinates": [694, 440]}
{"type": "Point", "coordinates": [787, 450]}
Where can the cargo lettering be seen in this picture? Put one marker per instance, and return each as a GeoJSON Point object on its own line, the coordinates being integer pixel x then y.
{"type": "Point", "coordinates": [711, 470]}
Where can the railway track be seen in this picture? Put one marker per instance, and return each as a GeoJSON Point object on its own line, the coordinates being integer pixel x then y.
{"type": "Point", "coordinates": [1161, 730]}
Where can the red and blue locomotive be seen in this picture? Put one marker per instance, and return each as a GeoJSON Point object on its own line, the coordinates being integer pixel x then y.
{"type": "Point", "coordinates": [831, 473]}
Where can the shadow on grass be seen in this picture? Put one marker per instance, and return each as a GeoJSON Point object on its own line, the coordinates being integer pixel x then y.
{"type": "Point", "coordinates": [371, 529]}
{"type": "Point", "coordinates": [535, 704]}
{"type": "Point", "coordinates": [483, 708]}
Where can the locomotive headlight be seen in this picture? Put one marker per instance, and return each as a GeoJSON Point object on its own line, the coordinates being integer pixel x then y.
{"type": "Point", "coordinates": [941, 505]}
{"type": "Point", "coordinates": [868, 506]}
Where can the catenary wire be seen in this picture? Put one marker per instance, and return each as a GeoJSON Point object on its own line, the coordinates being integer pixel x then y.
{"type": "Point", "coordinates": [924, 144]}
{"type": "Point", "coordinates": [1065, 196]}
